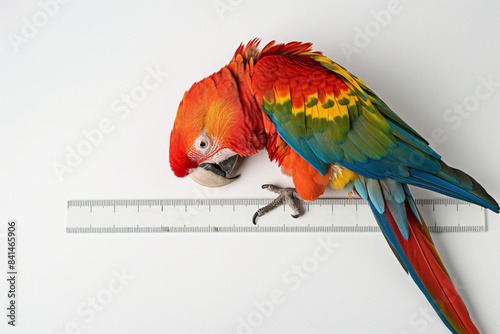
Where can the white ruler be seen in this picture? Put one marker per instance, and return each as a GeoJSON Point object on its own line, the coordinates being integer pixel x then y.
{"type": "Point", "coordinates": [235, 215]}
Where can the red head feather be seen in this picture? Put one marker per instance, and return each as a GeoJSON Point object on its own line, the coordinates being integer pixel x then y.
{"type": "Point", "coordinates": [214, 107]}
{"type": "Point", "coordinates": [223, 107]}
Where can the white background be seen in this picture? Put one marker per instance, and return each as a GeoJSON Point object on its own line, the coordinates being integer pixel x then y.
{"type": "Point", "coordinates": [63, 79]}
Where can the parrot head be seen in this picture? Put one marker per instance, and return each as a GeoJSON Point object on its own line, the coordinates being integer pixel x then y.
{"type": "Point", "coordinates": [210, 131]}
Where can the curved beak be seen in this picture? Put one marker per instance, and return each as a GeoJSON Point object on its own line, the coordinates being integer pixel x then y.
{"type": "Point", "coordinates": [215, 175]}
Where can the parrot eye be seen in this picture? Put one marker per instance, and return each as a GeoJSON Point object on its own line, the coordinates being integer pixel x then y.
{"type": "Point", "coordinates": [202, 143]}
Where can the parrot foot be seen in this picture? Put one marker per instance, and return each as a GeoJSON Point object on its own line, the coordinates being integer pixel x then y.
{"type": "Point", "coordinates": [288, 196]}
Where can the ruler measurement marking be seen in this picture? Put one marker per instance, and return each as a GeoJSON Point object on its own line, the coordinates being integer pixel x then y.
{"type": "Point", "coordinates": [96, 221]}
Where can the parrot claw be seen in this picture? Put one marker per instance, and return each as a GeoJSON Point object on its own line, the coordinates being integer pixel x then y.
{"type": "Point", "coordinates": [288, 196]}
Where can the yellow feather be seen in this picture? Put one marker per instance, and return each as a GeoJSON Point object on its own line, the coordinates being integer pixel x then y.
{"type": "Point", "coordinates": [340, 176]}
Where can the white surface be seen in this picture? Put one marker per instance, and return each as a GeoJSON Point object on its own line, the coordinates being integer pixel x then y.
{"type": "Point", "coordinates": [68, 76]}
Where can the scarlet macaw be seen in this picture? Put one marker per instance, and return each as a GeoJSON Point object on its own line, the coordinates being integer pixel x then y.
{"type": "Point", "coordinates": [323, 126]}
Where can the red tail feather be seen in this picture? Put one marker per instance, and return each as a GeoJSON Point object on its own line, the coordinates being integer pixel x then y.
{"type": "Point", "coordinates": [425, 260]}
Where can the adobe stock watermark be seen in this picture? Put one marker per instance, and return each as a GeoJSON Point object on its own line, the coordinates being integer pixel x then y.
{"type": "Point", "coordinates": [224, 6]}
{"type": "Point", "coordinates": [292, 278]}
{"type": "Point", "coordinates": [420, 319]}
{"type": "Point", "coordinates": [194, 214]}
{"type": "Point", "coordinates": [371, 29]}
{"type": "Point", "coordinates": [89, 309]}
{"type": "Point", "coordinates": [121, 107]}
{"type": "Point", "coordinates": [30, 27]}
{"type": "Point", "coordinates": [456, 114]}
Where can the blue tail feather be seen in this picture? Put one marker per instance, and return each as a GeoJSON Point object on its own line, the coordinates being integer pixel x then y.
{"type": "Point", "coordinates": [432, 182]}
{"type": "Point", "coordinates": [390, 235]}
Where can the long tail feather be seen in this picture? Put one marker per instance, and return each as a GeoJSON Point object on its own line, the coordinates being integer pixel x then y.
{"type": "Point", "coordinates": [455, 183]}
{"type": "Point", "coordinates": [419, 257]}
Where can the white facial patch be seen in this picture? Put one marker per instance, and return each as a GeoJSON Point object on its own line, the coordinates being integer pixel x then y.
{"type": "Point", "coordinates": [222, 155]}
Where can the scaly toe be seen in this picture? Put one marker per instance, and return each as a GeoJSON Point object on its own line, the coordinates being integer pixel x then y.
{"type": "Point", "coordinates": [288, 196]}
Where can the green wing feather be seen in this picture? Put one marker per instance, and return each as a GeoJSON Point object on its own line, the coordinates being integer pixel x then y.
{"type": "Point", "coordinates": [328, 115]}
